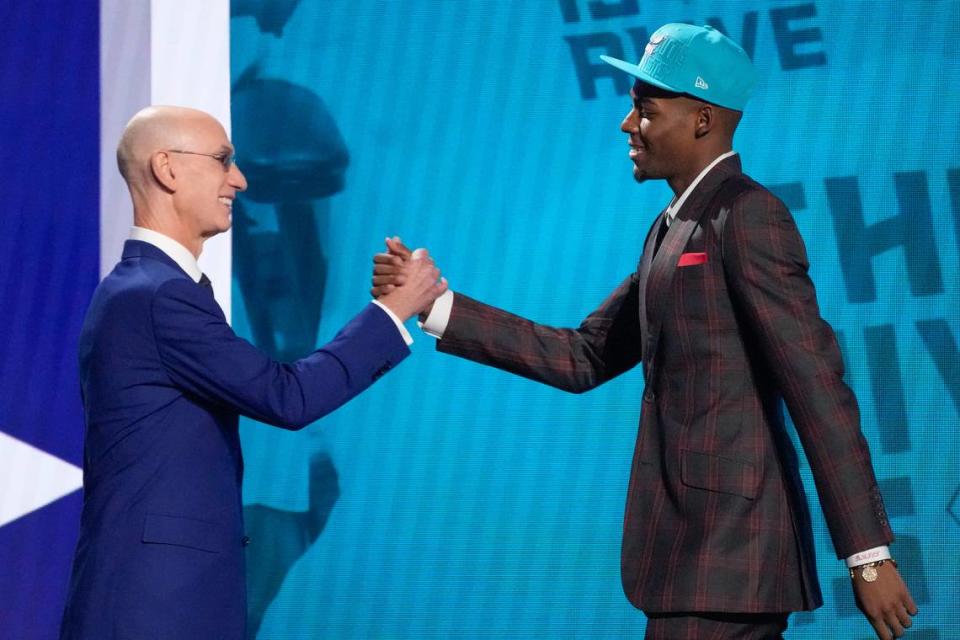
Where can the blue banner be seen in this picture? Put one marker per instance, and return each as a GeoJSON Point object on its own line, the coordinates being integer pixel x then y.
{"type": "Point", "coordinates": [49, 222]}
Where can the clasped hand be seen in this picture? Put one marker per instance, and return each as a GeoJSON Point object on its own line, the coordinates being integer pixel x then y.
{"type": "Point", "coordinates": [407, 282]}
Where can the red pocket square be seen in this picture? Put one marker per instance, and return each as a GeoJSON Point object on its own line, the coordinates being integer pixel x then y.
{"type": "Point", "coordinates": [690, 259]}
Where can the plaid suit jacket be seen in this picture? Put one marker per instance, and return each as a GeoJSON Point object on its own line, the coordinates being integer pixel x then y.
{"type": "Point", "coordinates": [716, 517]}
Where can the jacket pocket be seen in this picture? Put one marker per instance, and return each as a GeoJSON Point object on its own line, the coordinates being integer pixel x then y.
{"type": "Point", "coordinates": [184, 532]}
{"type": "Point", "coordinates": [718, 473]}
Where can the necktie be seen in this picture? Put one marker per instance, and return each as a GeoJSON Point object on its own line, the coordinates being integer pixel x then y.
{"type": "Point", "coordinates": [205, 282]}
{"type": "Point", "coordinates": [661, 232]}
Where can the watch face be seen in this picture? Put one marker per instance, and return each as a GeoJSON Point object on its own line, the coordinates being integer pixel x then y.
{"type": "Point", "coordinates": [869, 574]}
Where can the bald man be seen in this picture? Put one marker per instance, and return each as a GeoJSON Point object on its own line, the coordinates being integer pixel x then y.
{"type": "Point", "coordinates": [164, 381]}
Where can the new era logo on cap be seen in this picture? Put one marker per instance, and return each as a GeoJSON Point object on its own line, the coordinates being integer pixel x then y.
{"type": "Point", "coordinates": [679, 57]}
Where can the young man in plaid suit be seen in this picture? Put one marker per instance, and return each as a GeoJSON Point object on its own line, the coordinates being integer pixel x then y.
{"type": "Point", "coordinates": [723, 316]}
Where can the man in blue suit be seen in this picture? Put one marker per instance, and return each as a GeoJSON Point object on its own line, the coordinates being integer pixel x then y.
{"type": "Point", "coordinates": [164, 380]}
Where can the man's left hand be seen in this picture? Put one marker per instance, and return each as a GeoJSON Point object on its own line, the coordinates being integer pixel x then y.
{"type": "Point", "coordinates": [886, 602]}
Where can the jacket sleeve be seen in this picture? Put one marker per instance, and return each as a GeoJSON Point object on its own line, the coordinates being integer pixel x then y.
{"type": "Point", "coordinates": [606, 343]}
{"type": "Point", "coordinates": [766, 266]}
{"type": "Point", "coordinates": [205, 358]}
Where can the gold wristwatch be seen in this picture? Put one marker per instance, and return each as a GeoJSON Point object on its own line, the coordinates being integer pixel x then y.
{"type": "Point", "coordinates": [869, 571]}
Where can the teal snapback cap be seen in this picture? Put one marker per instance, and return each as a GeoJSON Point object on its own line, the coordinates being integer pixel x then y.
{"type": "Point", "coordinates": [697, 61]}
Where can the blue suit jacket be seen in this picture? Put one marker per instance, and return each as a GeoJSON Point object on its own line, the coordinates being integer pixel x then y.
{"type": "Point", "coordinates": [164, 380]}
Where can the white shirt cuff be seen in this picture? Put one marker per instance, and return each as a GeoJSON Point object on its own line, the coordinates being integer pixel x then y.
{"type": "Point", "coordinates": [870, 555]}
{"type": "Point", "coordinates": [436, 322]}
{"type": "Point", "coordinates": [402, 329]}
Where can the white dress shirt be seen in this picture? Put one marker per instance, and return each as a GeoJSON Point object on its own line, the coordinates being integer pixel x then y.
{"type": "Point", "coordinates": [677, 204]}
{"type": "Point", "coordinates": [174, 250]}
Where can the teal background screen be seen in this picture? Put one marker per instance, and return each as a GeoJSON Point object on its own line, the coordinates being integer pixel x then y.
{"type": "Point", "coordinates": [452, 500]}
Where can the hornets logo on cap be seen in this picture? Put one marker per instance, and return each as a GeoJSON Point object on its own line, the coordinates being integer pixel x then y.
{"type": "Point", "coordinates": [655, 40]}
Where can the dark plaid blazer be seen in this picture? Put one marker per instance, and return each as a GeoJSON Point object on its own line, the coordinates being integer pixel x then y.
{"type": "Point", "coordinates": [725, 321]}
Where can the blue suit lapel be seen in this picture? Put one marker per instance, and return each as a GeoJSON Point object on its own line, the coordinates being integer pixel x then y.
{"type": "Point", "coordinates": [140, 249]}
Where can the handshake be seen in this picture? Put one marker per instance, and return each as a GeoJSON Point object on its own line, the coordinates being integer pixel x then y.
{"type": "Point", "coordinates": [406, 282]}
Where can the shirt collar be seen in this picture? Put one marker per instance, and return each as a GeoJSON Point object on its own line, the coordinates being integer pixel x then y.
{"type": "Point", "coordinates": [674, 207]}
{"type": "Point", "coordinates": [174, 250]}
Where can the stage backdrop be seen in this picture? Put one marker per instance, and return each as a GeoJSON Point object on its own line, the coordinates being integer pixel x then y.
{"type": "Point", "coordinates": [457, 501]}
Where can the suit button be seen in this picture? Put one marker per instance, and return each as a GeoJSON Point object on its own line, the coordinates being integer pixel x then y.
{"type": "Point", "coordinates": [245, 541]}
{"type": "Point", "coordinates": [649, 396]}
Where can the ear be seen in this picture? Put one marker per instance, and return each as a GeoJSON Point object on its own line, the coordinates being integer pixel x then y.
{"type": "Point", "coordinates": [706, 120]}
{"type": "Point", "coordinates": [163, 171]}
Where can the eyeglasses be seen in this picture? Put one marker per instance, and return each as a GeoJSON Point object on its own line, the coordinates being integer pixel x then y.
{"type": "Point", "coordinates": [226, 159]}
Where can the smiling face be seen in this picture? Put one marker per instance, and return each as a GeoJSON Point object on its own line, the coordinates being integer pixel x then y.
{"type": "Point", "coordinates": [206, 187]}
{"type": "Point", "coordinates": [175, 163]}
{"type": "Point", "coordinates": [662, 130]}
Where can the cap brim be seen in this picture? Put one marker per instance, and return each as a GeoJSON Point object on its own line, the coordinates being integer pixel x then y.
{"type": "Point", "coordinates": [635, 71]}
